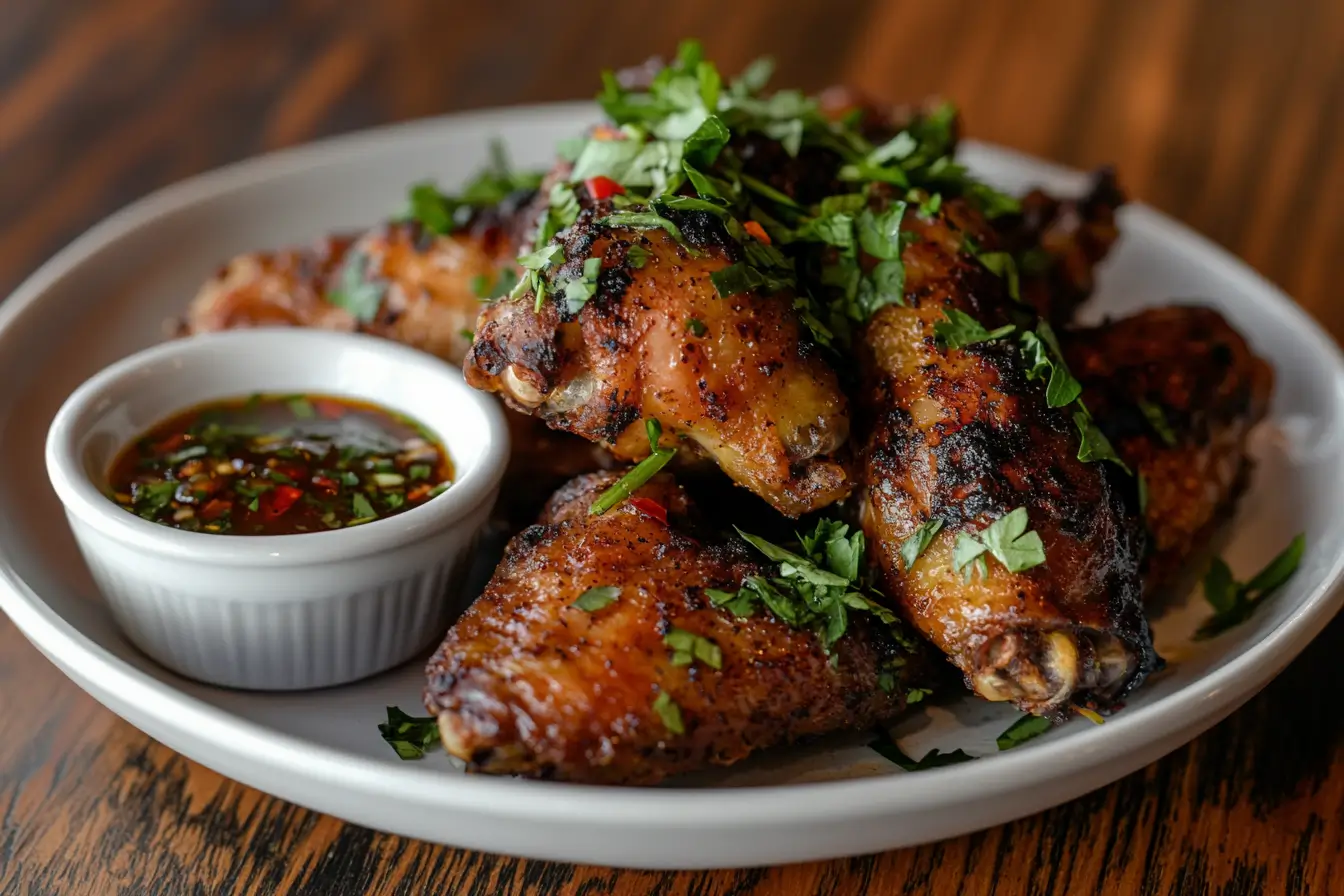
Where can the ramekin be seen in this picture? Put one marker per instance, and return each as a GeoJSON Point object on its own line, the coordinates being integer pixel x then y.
{"type": "Point", "coordinates": [281, 612]}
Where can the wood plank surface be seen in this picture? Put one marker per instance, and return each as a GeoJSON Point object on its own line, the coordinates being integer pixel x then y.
{"type": "Point", "coordinates": [1227, 114]}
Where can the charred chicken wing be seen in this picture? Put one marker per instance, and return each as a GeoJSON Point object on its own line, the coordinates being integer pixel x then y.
{"type": "Point", "coordinates": [733, 376]}
{"type": "Point", "coordinates": [596, 653]}
{"type": "Point", "coordinates": [1177, 391]}
{"type": "Point", "coordinates": [1016, 558]}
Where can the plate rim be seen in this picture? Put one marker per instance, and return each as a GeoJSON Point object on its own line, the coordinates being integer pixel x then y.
{"type": "Point", "coordinates": [1196, 705]}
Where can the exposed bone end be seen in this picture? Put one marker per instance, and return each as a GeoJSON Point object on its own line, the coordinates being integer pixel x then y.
{"type": "Point", "coordinates": [520, 389]}
{"type": "Point", "coordinates": [1042, 671]}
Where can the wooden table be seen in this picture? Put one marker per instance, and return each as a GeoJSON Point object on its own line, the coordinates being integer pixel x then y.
{"type": "Point", "coordinates": [1227, 114]}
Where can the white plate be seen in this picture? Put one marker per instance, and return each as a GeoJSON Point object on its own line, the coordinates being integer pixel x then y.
{"type": "Point", "coordinates": [109, 293]}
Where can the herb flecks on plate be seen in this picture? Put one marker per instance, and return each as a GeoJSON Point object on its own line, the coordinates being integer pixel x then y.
{"type": "Point", "coordinates": [1234, 602]}
{"type": "Point", "coordinates": [410, 736]}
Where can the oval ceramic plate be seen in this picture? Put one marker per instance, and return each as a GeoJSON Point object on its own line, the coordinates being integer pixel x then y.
{"type": "Point", "coordinates": [109, 294]}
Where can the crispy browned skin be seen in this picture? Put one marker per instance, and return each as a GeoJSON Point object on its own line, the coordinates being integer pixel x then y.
{"type": "Point", "coordinates": [527, 684]}
{"type": "Point", "coordinates": [1211, 389]}
{"type": "Point", "coordinates": [961, 436]}
{"type": "Point", "coordinates": [750, 392]}
{"type": "Point", "coordinates": [426, 283]}
{"type": "Point", "coordinates": [1060, 242]}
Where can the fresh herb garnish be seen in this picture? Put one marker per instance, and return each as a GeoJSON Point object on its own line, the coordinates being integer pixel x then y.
{"type": "Point", "coordinates": [597, 598]}
{"type": "Point", "coordinates": [1153, 413]}
{"type": "Point", "coordinates": [887, 748]}
{"type": "Point", "coordinates": [696, 327]}
{"type": "Point", "coordinates": [687, 647]}
{"type": "Point", "coordinates": [363, 510]}
{"type": "Point", "coordinates": [958, 330]}
{"type": "Point", "coordinates": [1006, 540]}
{"type": "Point", "coordinates": [641, 473]}
{"type": "Point", "coordinates": [359, 290]}
{"type": "Point", "coordinates": [582, 288]}
{"type": "Point", "coordinates": [918, 540]}
{"type": "Point", "coordinates": [415, 471]}
{"type": "Point", "coordinates": [410, 736]}
{"type": "Point", "coordinates": [1234, 602]}
{"type": "Point", "coordinates": [301, 407]}
{"type": "Point", "coordinates": [1023, 730]}
{"type": "Point", "coordinates": [152, 497]}
{"type": "Point", "coordinates": [669, 712]}
{"type": "Point", "coordinates": [1093, 444]}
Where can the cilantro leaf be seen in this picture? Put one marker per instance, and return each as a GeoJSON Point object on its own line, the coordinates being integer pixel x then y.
{"type": "Point", "coordinates": [887, 748]}
{"type": "Point", "coordinates": [1094, 446]}
{"type": "Point", "coordinates": [918, 540]}
{"type": "Point", "coordinates": [958, 330]}
{"type": "Point", "coordinates": [687, 647]}
{"type": "Point", "coordinates": [409, 735]}
{"type": "Point", "coordinates": [1234, 602]}
{"type": "Point", "coordinates": [597, 598]}
{"type": "Point", "coordinates": [1153, 413]}
{"type": "Point", "coordinates": [1006, 540]}
{"type": "Point", "coordinates": [358, 290]}
{"type": "Point", "coordinates": [669, 712]}
{"type": "Point", "coordinates": [1023, 730]}
{"type": "Point", "coordinates": [579, 290]}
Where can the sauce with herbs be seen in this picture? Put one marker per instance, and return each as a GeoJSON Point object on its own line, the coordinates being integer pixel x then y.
{"type": "Point", "coordinates": [279, 465]}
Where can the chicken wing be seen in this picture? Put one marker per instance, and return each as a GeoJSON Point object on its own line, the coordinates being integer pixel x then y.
{"type": "Point", "coordinates": [420, 286]}
{"type": "Point", "coordinates": [964, 437]}
{"type": "Point", "coordinates": [732, 376]}
{"type": "Point", "coordinates": [529, 683]}
{"type": "Point", "coordinates": [1176, 390]}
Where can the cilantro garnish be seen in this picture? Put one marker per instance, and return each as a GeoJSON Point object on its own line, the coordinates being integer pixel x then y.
{"type": "Point", "coordinates": [696, 327]}
{"type": "Point", "coordinates": [595, 599]}
{"type": "Point", "coordinates": [887, 748]}
{"type": "Point", "coordinates": [1234, 602]}
{"type": "Point", "coordinates": [582, 288]}
{"type": "Point", "coordinates": [363, 510]}
{"type": "Point", "coordinates": [358, 290]}
{"type": "Point", "coordinates": [642, 472]}
{"type": "Point", "coordinates": [1094, 446]}
{"type": "Point", "coordinates": [669, 712]}
{"type": "Point", "coordinates": [687, 647]}
{"type": "Point", "coordinates": [1023, 730]}
{"type": "Point", "coordinates": [1006, 540]}
{"type": "Point", "coordinates": [442, 213]}
{"type": "Point", "coordinates": [914, 545]}
{"type": "Point", "coordinates": [1157, 419]}
{"type": "Point", "coordinates": [958, 330]}
{"type": "Point", "coordinates": [410, 736]}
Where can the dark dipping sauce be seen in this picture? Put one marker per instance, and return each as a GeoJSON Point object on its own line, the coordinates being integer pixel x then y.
{"type": "Point", "coordinates": [279, 465]}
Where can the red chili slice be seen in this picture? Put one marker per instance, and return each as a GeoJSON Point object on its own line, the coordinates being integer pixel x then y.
{"type": "Point", "coordinates": [170, 444]}
{"type": "Point", "coordinates": [757, 231]}
{"type": "Point", "coordinates": [602, 187]}
{"type": "Point", "coordinates": [214, 509]}
{"type": "Point", "coordinates": [650, 508]}
{"type": "Point", "coordinates": [325, 407]}
{"type": "Point", "coordinates": [282, 498]}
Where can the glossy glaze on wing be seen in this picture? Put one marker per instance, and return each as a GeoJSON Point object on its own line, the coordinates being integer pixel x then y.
{"type": "Point", "coordinates": [1204, 381]}
{"type": "Point", "coordinates": [732, 376]}
{"type": "Point", "coordinates": [962, 436]}
{"type": "Point", "coordinates": [527, 684]}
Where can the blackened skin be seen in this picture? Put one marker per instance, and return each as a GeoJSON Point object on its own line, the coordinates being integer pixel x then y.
{"type": "Point", "coordinates": [732, 377]}
{"type": "Point", "coordinates": [527, 684]}
{"type": "Point", "coordinates": [962, 436]}
{"type": "Point", "coordinates": [1190, 364]}
{"type": "Point", "coordinates": [1060, 242]}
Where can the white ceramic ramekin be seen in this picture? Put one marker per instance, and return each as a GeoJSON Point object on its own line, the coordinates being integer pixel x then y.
{"type": "Point", "coordinates": [291, 611]}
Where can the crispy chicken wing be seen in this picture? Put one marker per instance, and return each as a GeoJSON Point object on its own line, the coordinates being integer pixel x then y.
{"type": "Point", "coordinates": [1060, 242]}
{"type": "Point", "coordinates": [732, 376]}
{"type": "Point", "coordinates": [422, 283]}
{"type": "Point", "coordinates": [527, 683]}
{"type": "Point", "coordinates": [1176, 390]}
{"type": "Point", "coordinates": [963, 436]}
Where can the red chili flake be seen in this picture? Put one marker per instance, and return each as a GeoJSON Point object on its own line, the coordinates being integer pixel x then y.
{"type": "Point", "coordinates": [282, 498]}
{"type": "Point", "coordinates": [650, 508]}
{"type": "Point", "coordinates": [170, 444]}
{"type": "Point", "coordinates": [324, 483]}
{"type": "Point", "coordinates": [757, 231]}
{"type": "Point", "coordinates": [419, 491]}
{"type": "Point", "coordinates": [602, 187]}
{"type": "Point", "coordinates": [332, 410]}
{"type": "Point", "coordinates": [607, 132]}
{"type": "Point", "coordinates": [214, 509]}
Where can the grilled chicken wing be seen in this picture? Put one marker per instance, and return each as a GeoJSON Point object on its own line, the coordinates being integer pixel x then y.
{"type": "Point", "coordinates": [527, 683]}
{"type": "Point", "coordinates": [962, 436]}
{"type": "Point", "coordinates": [421, 283]}
{"type": "Point", "coordinates": [1060, 242]}
{"type": "Point", "coordinates": [1176, 390]}
{"type": "Point", "coordinates": [732, 376]}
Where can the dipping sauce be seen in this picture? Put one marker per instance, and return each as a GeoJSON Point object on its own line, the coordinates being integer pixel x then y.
{"type": "Point", "coordinates": [279, 465]}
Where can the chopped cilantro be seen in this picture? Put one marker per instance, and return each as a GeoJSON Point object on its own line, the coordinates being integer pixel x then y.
{"type": "Point", "coordinates": [1023, 730]}
{"type": "Point", "coordinates": [1006, 540]}
{"type": "Point", "coordinates": [363, 510]}
{"type": "Point", "coordinates": [359, 289]}
{"type": "Point", "coordinates": [687, 647]}
{"type": "Point", "coordinates": [918, 540]}
{"type": "Point", "coordinates": [669, 712]}
{"type": "Point", "coordinates": [1153, 413]}
{"type": "Point", "coordinates": [301, 407]}
{"type": "Point", "coordinates": [696, 327]}
{"type": "Point", "coordinates": [1094, 445]}
{"type": "Point", "coordinates": [1234, 602]}
{"type": "Point", "coordinates": [579, 290]}
{"type": "Point", "coordinates": [958, 330]}
{"type": "Point", "coordinates": [410, 736]}
{"type": "Point", "coordinates": [595, 599]}
{"type": "Point", "coordinates": [887, 748]}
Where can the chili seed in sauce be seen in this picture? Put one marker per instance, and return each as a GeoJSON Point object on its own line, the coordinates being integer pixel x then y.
{"type": "Point", "coordinates": [279, 465]}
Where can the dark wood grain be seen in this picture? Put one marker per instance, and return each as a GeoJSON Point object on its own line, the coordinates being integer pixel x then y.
{"type": "Point", "coordinates": [1228, 114]}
